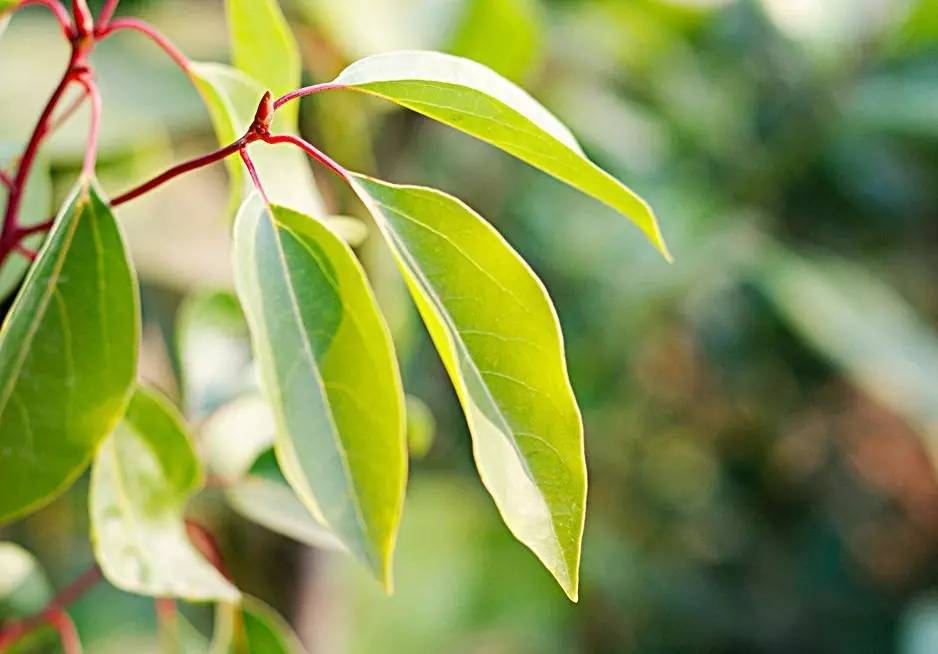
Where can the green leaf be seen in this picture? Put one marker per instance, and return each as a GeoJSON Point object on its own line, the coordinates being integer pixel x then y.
{"type": "Point", "coordinates": [329, 372]}
{"type": "Point", "coordinates": [421, 427]}
{"type": "Point", "coordinates": [68, 354]}
{"type": "Point", "coordinates": [36, 207]}
{"type": "Point", "coordinates": [234, 438]}
{"type": "Point", "coordinates": [263, 47]}
{"type": "Point", "coordinates": [231, 98]}
{"type": "Point", "coordinates": [252, 627]}
{"type": "Point", "coordinates": [861, 325]}
{"type": "Point", "coordinates": [214, 351]}
{"type": "Point", "coordinates": [498, 335]}
{"type": "Point", "coordinates": [472, 98]}
{"type": "Point", "coordinates": [24, 589]}
{"type": "Point", "coordinates": [141, 480]}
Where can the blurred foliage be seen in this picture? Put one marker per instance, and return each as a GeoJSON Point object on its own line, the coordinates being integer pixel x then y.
{"type": "Point", "coordinates": [759, 414]}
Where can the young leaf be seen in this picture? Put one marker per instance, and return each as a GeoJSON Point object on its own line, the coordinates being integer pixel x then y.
{"type": "Point", "coordinates": [329, 372]}
{"type": "Point", "coordinates": [472, 98]}
{"type": "Point", "coordinates": [498, 335]}
{"type": "Point", "coordinates": [68, 353]}
{"type": "Point", "coordinates": [263, 46]}
{"type": "Point", "coordinates": [252, 626]}
{"type": "Point", "coordinates": [234, 438]}
{"type": "Point", "coordinates": [231, 97]}
{"type": "Point", "coordinates": [143, 475]}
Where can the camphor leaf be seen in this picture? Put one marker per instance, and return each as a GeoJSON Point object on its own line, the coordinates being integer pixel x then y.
{"type": "Point", "coordinates": [498, 335]}
{"type": "Point", "coordinates": [470, 97]}
{"type": "Point", "coordinates": [68, 354]}
{"type": "Point", "coordinates": [143, 475]}
{"type": "Point", "coordinates": [329, 372]}
{"type": "Point", "coordinates": [234, 438]}
{"type": "Point", "coordinates": [232, 97]}
{"type": "Point", "coordinates": [252, 626]}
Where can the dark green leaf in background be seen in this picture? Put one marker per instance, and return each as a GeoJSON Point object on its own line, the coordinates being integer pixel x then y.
{"type": "Point", "coordinates": [68, 353]}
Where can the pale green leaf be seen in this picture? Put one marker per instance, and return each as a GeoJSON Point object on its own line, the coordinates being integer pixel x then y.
{"type": "Point", "coordinates": [329, 372]}
{"type": "Point", "coordinates": [263, 47]}
{"type": "Point", "coordinates": [68, 354]}
{"type": "Point", "coordinates": [36, 207]}
{"type": "Point", "coordinates": [861, 325]}
{"type": "Point", "coordinates": [233, 440]}
{"type": "Point", "coordinates": [214, 351]}
{"type": "Point", "coordinates": [143, 475]}
{"type": "Point", "coordinates": [232, 98]}
{"type": "Point", "coordinates": [470, 97]}
{"type": "Point", "coordinates": [24, 589]}
{"type": "Point", "coordinates": [252, 627]}
{"type": "Point", "coordinates": [498, 335]}
{"type": "Point", "coordinates": [421, 427]}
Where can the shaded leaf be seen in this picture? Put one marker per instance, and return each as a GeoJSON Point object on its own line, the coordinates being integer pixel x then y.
{"type": "Point", "coordinates": [234, 438]}
{"type": "Point", "coordinates": [68, 353]}
{"type": "Point", "coordinates": [498, 335]}
{"type": "Point", "coordinates": [232, 97]}
{"type": "Point", "coordinates": [472, 98]}
{"type": "Point", "coordinates": [142, 478]}
{"type": "Point", "coordinates": [329, 372]}
{"type": "Point", "coordinates": [252, 627]}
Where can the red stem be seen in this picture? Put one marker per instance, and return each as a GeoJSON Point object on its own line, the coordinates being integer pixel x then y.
{"type": "Point", "coordinates": [107, 13]}
{"type": "Point", "coordinates": [309, 149]}
{"type": "Point", "coordinates": [167, 623]}
{"type": "Point", "coordinates": [61, 15]}
{"type": "Point", "coordinates": [68, 635]}
{"type": "Point", "coordinates": [148, 30]}
{"type": "Point", "coordinates": [307, 90]}
{"type": "Point", "coordinates": [5, 180]}
{"type": "Point", "coordinates": [246, 158]}
{"type": "Point", "coordinates": [15, 630]}
{"type": "Point", "coordinates": [91, 151]}
{"type": "Point", "coordinates": [67, 113]}
{"type": "Point", "coordinates": [179, 169]}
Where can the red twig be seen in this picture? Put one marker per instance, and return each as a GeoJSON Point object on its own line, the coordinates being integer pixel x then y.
{"type": "Point", "coordinates": [5, 180]}
{"type": "Point", "coordinates": [307, 90]}
{"type": "Point", "coordinates": [15, 630]}
{"type": "Point", "coordinates": [148, 30]}
{"type": "Point", "coordinates": [67, 113]}
{"type": "Point", "coordinates": [61, 15]}
{"type": "Point", "coordinates": [246, 158]}
{"type": "Point", "coordinates": [68, 635]}
{"type": "Point", "coordinates": [28, 230]}
{"type": "Point", "coordinates": [177, 170]}
{"type": "Point", "coordinates": [91, 151]}
{"type": "Point", "coordinates": [309, 149]}
{"type": "Point", "coordinates": [25, 251]}
{"type": "Point", "coordinates": [107, 13]}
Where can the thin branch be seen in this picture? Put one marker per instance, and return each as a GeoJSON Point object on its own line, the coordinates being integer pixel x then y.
{"type": "Point", "coordinates": [91, 151]}
{"type": "Point", "coordinates": [14, 630]}
{"type": "Point", "coordinates": [107, 13]}
{"type": "Point", "coordinates": [68, 635]}
{"type": "Point", "coordinates": [5, 180]}
{"type": "Point", "coordinates": [60, 13]}
{"type": "Point", "coordinates": [153, 34]}
{"type": "Point", "coordinates": [303, 92]}
{"type": "Point", "coordinates": [29, 253]}
{"type": "Point", "coordinates": [28, 230]}
{"type": "Point", "coordinates": [246, 158]}
{"type": "Point", "coordinates": [179, 169]}
{"type": "Point", "coordinates": [309, 149]}
{"type": "Point", "coordinates": [68, 112]}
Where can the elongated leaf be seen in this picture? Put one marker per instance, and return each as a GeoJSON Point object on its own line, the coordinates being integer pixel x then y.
{"type": "Point", "coordinates": [498, 335]}
{"type": "Point", "coordinates": [470, 97]}
{"type": "Point", "coordinates": [142, 478]}
{"type": "Point", "coordinates": [234, 439]}
{"type": "Point", "coordinates": [263, 47]}
{"type": "Point", "coordinates": [68, 352]}
{"type": "Point", "coordinates": [232, 97]}
{"type": "Point", "coordinates": [861, 325]}
{"type": "Point", "coordinates": [37, 204]}
{"type": "Point", "coordinates": [251, 627]}
{"type": "Point", "coordinates": [329, 372]}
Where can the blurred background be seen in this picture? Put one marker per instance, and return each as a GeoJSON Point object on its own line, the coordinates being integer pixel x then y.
{"type": "Point", "coordinates": [761, 416]}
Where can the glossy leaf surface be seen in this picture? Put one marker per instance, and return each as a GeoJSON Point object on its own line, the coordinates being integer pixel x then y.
{"type": "Point", "coordinates": [68, 352]}
{"type": "Point", "coordinates": [329, 372]}
{"type": "Point", "coordinates": [498, 335]}
{"type": "Point", "coordinates": [470, 97]}
{"type": "Point", "coordinates": [142, 478]}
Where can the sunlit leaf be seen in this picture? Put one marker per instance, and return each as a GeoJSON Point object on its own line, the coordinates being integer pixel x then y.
{"type": "Point", "coordinates": [142, 478]}
{"type": "Point", "coordinates": [498, 335]}
{"type": "Point", "coordinates": [252, 627]}
{"type": "Point", "coordinates": [263, 47]}
{"type": "Point", "coordinates": [329, 372]}
{"type": "Point", "coordinates": [36, 207]}
{"type": "Point", "coordinates": [214, 351]}
{"type": "Point", "coordinates": [233, 440]}
{"type": "Point", "coordinates": [504, 35]}
{"type": "Point", "coordinates": [476, 100]}
{"type": "Point", "coordinates": [68, 353]}
{"type": "Point", "coordinates": [232, 98]}
{"type": "Point", "coordinates": [861, 325]}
